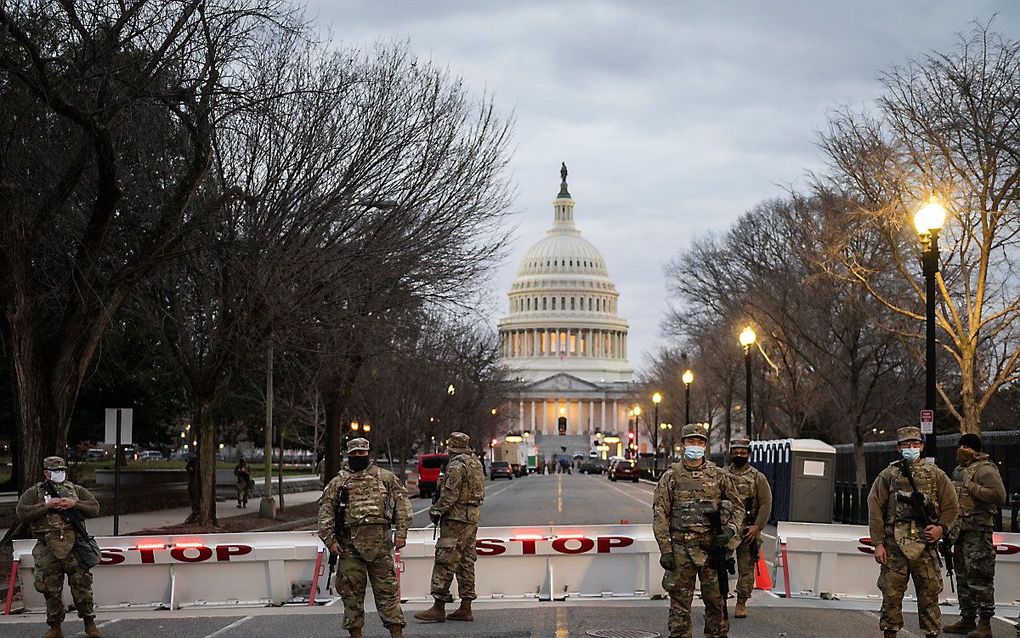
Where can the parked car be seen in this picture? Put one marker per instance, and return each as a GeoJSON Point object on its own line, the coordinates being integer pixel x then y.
{"type": "Point", "coordinates": [625, 470]}
{"type": "Point", "coordinates": [500, 469]}
{"type": "Point", "coordinates": [592, 466]}
{"type": "Point", "coordinates": [95, 454]}
{"type": "Point", "coordinates": [430, 466]}
{"type": "Point", "coordinates": [151, 455]}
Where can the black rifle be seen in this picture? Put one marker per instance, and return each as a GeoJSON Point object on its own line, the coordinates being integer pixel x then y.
{"type": "Point", "coordinates": [923, 513]}
{"type": "Point", "coordinates": [436, 495]}
{"type": "Point", "coordinates": [749, 515]}
{"type": "Point", "coordinates": [85, 546]}
{"type": "Point", "coordinates": [721, 559]}
{"type": "Point", "coordinates": [339, 516]}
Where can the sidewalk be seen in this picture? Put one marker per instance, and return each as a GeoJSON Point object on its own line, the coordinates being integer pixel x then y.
{"type": "Point", "coordinates": [129, 523]}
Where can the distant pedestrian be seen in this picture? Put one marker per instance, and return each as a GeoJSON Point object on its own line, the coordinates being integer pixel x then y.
{"type": "Point", "coordinates": [905, 546]}
{"type": "Point", "coordinates": [980, 492]}
{"type": "Point", "coordinates": [356, 513]}
{"type": "Point", "coordinates": [756, 501]}
{"type": "Point", "coordinates": [244, 482]}
{"type": "Point", "coordinates": [457, 513]}
{"type": "Point", "coordinates": [54, 552]}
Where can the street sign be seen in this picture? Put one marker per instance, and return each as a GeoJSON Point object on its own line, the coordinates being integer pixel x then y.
{"type": "Point", "coordinates": [927, 421]}
{"type": "Point", "coordinates": [126, 417]}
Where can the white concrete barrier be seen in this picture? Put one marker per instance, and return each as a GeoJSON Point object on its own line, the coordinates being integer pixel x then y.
{"type": "Point", "coordinates": [838, 561]}
{"type": "Point", "coordinates": [275, 568]}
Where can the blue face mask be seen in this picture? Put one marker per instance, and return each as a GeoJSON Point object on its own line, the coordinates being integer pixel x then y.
{"type": "Point", "coordinates": [694, 453]}
{"type": "Point", "coordinates": [911, 453]}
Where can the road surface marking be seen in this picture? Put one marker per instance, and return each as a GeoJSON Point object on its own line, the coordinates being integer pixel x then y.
{"type": "Point", "coordinates": [903, 631]}
{"type": "Point", "coordinates": [561, 623]}
{"type": "Point", "coordinates": [559, 493]}
{"type": "Point", "coordinates": [220, 632]}
{"type": "Point", "coordinates": [108, 622]}
{"type": "Point", "coordinates": [639, 500]}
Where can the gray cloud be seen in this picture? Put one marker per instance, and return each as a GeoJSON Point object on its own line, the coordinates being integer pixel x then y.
{"type": "Point", "coordinates": [674, 117]}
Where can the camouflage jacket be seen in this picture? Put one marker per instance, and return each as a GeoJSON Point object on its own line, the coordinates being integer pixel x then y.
{"type": "Point", "coordinates": [48, 525]}
{"type": "Point", "coordinates": [752, 484]}
{"type": "Point", "coordinates": [889, 517]}
{"type": "Point", "coordinates": [375, 498]}
{"type": "Point", "coordinates": [980, 491]}
{"type": "Point", "coordinates": [684, 497]}
{"type": "Point", "coordinates": [463, 490]}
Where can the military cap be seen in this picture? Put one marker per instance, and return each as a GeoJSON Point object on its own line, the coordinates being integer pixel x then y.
{"type": "Point", "coordinates": [694, 430]}
{"type": "Point", "coordinates": [357, 445]}
{"type": "Point", "coordinates": [909, 433]}
{"type": "Point", "coordinates": [740, 443]}
{"type": "Point", "coordinates": [459, 442]}
{"type": "Point", "coordinates": [54, 463]}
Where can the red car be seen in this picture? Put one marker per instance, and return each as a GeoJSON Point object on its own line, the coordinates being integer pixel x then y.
{"type": "Point", "coordinates": [626, 470]}
{"type": "Point", "coordinates": [430, 466]}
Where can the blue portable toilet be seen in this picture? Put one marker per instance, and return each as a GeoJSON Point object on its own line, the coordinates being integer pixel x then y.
{"type": "Point", "coordinates": [802, 474]}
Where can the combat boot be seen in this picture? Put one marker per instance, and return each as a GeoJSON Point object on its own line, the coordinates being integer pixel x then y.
{"type": "Point", "coordinates": [396, 632]}
{"type": "Point", "coordinates": [963, 626]}
{"type": "Point", "coordinates": [91, 631]}
{"type": "Point", "coordinates": [889, 633]}
{"type": "Point", "coordinates": [983, 629]}
{"type": "Point", "coordinates": [463, 613]}
{"type": "Point", "coordinates": [435, 613]}
{"type": "Point", "coordinates": [356, 632]}
{"type": "Point", "coordinates": [740, 611]}
{"type": "Point", "coordinates": [54, 631]}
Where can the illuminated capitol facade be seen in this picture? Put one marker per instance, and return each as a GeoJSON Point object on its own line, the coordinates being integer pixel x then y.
{"type": "Point", "coordinates": [564, 340]}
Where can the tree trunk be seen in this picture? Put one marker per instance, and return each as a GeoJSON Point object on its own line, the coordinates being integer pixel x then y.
{"type": "Point", "coordinates": [205, 513]}
{"type": "Point", "coordinates": [969, 407]}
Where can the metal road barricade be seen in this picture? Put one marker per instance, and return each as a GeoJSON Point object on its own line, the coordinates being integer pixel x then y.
{"type": "Point", "coordinates": [276, 568]}
{"type": "Point", "coordinates": [838, 561]}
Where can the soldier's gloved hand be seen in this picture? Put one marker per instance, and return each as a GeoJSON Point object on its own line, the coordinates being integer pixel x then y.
{"type": "Point", "coordinates": [667, 562]}
{"type": "Point", "coordinates": [434, 518]}
{"type": "Point", "coordinates": [722, 539]}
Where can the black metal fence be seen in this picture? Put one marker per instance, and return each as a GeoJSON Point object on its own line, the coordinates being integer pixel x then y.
{"type": "Point", "coordinates": [851, 504]}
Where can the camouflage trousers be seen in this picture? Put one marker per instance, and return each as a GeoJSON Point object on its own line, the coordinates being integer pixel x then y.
{"type": "Point", "coordinates": [893, 580]}
{"type": "Point", "coordinates": [745, 569]}
{"type": "Point", "coordinates": [353, 574]}
{"type": "Point", "coordinates": [680, 585]}
{"type": "Point", "coordinates": [974, 558]}
{"type": "Point", "coordinates": [455, 556]}
{"type": "Point", "coordinates": [49, 581]}
{"type": "Point", "coordinates": [243, 491]}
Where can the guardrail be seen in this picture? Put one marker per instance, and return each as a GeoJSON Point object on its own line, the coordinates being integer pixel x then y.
{"type": "Point", "coordinates": [837, 561]}
{"type": "Point", "coordinates": [276, 568]}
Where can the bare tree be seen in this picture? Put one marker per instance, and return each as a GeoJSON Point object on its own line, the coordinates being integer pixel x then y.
{"type": "Point", "coordinates": [946, 124]}
{"type": "Point", "coordinates": [106, 118]}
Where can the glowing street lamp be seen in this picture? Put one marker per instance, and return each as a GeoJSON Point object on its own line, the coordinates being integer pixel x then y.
{"type": "Point", "coordinates": [747, 340]}
{"type": "Point", "coordinates": [688, 379]}
{"type": "Point", "coordinates": [928, 222]}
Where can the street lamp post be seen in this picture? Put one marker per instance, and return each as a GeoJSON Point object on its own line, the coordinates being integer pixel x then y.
{"type": "Point", "coordinates": [688, 379]}
{"type": "Point", "coordinates": [747, 339]}
{"type": "Point", "coordinates": [637, 431]}
{"type": "Point", "coordinates": [928, 222]}
{"type": "Point", "coordinates": [656, 399]}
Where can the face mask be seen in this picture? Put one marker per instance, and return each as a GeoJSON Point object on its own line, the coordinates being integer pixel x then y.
{"type": "Point", "coordinates": [694, 453]}
{"type": "Point", "coordinates": [911, 453]}
{"type": "Point", "coordinates": [357, 463]}
{"type": "Point", "coordinates": [58, 476]}
{"type": "Point", "coordinates": [740, 461]}
{"type": "Point", "coordinates": [963, 456]}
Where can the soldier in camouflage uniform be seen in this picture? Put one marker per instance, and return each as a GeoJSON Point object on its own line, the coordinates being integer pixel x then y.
{"type": "Point", "coordinates": [687, 492]}
{"type": "Point", "coordinates": [981, 493]}
{"type": "Point", "coordinates": [54, 553]}
{"type": "Point", "coordinates": [376, 501]}
{"type": "Point", "coordinates": [457, 513]}
{"type": "Point", "coordinates": [756, 500]}
{"type": "Point", "coordinates": [243, 476]}
{"type": "Point", "coordinates": [904, 547]}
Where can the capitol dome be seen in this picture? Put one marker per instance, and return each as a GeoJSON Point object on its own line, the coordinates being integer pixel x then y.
{"type": "Point", "coordinates": [562, 308]}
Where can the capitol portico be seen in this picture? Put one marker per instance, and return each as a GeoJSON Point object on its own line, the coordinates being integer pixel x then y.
{"type": "Point", "coordinates": [564, 340]}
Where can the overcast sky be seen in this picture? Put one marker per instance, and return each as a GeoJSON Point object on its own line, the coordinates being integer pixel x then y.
{"type": "Point", "coordinates": [673, 117]}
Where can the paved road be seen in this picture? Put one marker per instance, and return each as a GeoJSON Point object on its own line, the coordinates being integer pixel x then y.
{"type": "Point", "coordinates": [769, 618]}
{"type": "Point", "coordinates": [558, 499]}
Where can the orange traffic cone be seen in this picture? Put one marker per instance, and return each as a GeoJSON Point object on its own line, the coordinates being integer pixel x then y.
{"type": "Point", "coordinates": [762, 579]}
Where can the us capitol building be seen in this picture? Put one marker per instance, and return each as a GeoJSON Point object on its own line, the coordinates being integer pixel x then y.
{"type": "Point", "coordinates": [564, 340]}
